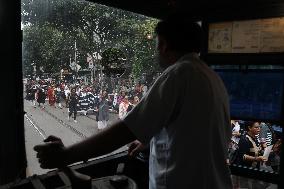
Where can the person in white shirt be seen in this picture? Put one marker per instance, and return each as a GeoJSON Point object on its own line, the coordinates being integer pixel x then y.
{"type": "Point", "coordinates": [187, 103]}
{"type": "Point", "coordinates": [235, 133]}
{"type": "Point", "coordinates": [144, 89]}
{"type": "Point", "coordinates": [123, 106]}
{"type": "Point", "coordinates": [66, 92]}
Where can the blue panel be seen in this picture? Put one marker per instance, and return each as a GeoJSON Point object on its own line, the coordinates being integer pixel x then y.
{"type": "Point", "coordinates": [254, 94]}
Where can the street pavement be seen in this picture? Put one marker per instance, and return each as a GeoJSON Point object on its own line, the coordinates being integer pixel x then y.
{"type": "Point", "coordinates": [42, 122]}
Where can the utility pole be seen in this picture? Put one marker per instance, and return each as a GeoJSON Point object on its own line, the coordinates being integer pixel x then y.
{"type": "Point", "coordinates": [75, 59]}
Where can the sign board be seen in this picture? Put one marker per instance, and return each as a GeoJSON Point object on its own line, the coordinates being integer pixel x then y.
{"type": "Point", "coordinates": [245, 36]}
{"type": "Point", "coordinates": [78, 67]}
{"type": "Point", "coordinates": [90, 61]}
{"type": "Point", "coordinates": [272, 35]}
{"type": "Point", "coordinates": [250, 36]}
{"type": "Point", "coordinates": [91, 65]}
{"type": "Point", "coordinates": [75, 67]}
{"type": "Point", "coordinates": [72, 65]}
{"type": "Point", "coordinates": [220, 35]}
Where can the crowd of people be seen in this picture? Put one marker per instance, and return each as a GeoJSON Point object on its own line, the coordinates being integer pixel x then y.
{"type": "Point", "coordinates": [86, 98]}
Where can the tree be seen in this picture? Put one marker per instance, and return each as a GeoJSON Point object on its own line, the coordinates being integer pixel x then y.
{"type": "Point", "coordinates": [140, 44]}
{"type": "Point", "coordinates": [114, 61]}
{"type": "Point", "coordinates": [40, 48]}
{"type": "Point", "coordinates": [95, 28]}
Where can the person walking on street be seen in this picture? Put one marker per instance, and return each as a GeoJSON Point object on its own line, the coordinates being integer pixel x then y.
{"type": "Point", "coordinates": [51, 96]}
{"type": "Point", "coordinates": [103, 111]}
{"type": "Point", "coordinates": [41, 97]}
{"type": "Point", "coordinates": [123, 106]}
{"type": "Point", "coordinates": [59, 96]}
{"type": "Point", "coordinates": [73, 100]}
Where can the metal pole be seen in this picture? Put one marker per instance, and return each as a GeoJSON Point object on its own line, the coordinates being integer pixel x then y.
{"type": "Point", "coordinates": [75, 59]}
{"type": "Point", "coordinates": [94, 73]}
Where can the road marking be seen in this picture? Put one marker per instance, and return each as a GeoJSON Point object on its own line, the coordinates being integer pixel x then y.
{"type": "Point", "coordinates": [66, 125]}
{"type": "Point", "coordinates": [38, 129]}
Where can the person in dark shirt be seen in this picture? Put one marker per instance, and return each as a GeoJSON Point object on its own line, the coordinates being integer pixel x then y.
{"type": "Point", "coordinates": [73, 101]}
{"type": "Point", "coordinates": [103, 111]}
{"type": "Point", "coordinates": [249, 151]}
{"type": "Point", "coordinates": [41, 97]}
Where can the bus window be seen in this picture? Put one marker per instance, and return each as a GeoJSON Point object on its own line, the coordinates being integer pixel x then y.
{"type": "Point", "coordinates": [104, 55]}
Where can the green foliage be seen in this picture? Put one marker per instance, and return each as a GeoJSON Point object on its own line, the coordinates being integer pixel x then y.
{"type": "Point", "coordinates": [42, 47]}
{"type": "Point", "coordinates": [113, 58]}
{"type": "Point", "coordinates": [145, 49]}
{"type": "Point", "coordinates": [52, 27]}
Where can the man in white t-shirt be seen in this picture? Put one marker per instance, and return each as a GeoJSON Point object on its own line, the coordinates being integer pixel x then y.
{"type": "Point", "coordinates": [184, 116]}
{"type": "Point", "coordinates": [123, 106]}
{"type": "Point", "coordinates": [235, 133]}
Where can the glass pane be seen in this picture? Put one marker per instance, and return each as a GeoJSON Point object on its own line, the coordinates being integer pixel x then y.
{"type": "Point", "coordinates": [256, 145]}
{"type": "Point", "coordinates": [106, 55]}
{"type": "Point", "coordinates": [255, 94]}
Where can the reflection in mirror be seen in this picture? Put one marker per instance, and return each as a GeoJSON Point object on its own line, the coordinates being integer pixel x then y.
{"type": "Point", "coordinates": [255, 145]}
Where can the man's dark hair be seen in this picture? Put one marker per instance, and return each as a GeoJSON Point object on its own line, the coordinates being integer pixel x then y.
{"type": "Point", "coordinates": [248, 124]}
{"type": "Point", "coordinates": [181, 34]}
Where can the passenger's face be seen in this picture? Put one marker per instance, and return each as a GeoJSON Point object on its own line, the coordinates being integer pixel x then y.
{"type": "Point", "coordinates": [255, 129]}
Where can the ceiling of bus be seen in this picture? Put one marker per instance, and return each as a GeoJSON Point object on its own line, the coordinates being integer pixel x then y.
{"type": "Point", "coordinates": [194, 9]}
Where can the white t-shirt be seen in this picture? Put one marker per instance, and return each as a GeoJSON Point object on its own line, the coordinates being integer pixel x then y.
{"type": "Point", "coordinates": [67, 91]}
{"type": "Point", "coordinates": [236, 128]}
{"type": "Point", "coordinates": [122, 109]}
{"type": "Point", "coordinates": [185, 115]}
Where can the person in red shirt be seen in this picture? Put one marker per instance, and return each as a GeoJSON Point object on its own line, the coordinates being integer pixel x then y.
{"type": "Point", "coordinates": [50, 94]}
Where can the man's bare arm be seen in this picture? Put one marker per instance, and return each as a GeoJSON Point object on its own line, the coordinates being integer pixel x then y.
{"type": "Point", "coordinates": [102, 143]}
{"type": "Point", "coordinates": [53, 154]}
